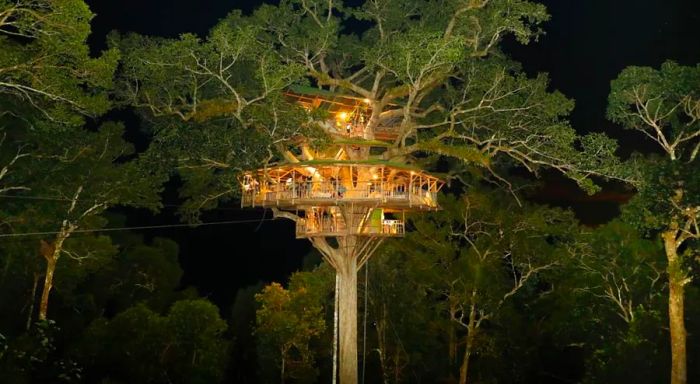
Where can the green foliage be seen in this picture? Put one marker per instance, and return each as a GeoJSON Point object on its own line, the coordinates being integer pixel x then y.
{"type": "Point", "coordinates": [667, 189]}
{"type": "Point", "coordinates": [141, 273]}
{"type": "Point", "coordinates": [404, 334]}
{"type": "Point", "coordinates": [85, 256]}
{"type": "Point", "coordinates": [186, 346]}
{"type": "Point", "coordinates": [136, 338]}
{"type": "Point", "coordinates": [242, 324]}
{"type": "Point", "coordinates": [609, 305]}
{"type": "Point", "coordinates": [289, 320]}
{"type": "Point", "coordinates": [197, 352]}
{"type": "Point", "coordinates": [431, 69]}
{"type": "Point", "coordinates": [86, 173]}
{"type": "Point", "coordinates": [476, 264]}
{"type": "Point", "coordinates": [32, 358]}
{"type": "Point", "coordinates": [635, 353]}
{"type": "Point", "coordinates": [46, 62]}
{"type": "Point", "coordinates": [215, 105]}
{"type": "Point", "coordinates": [620, 267]}
{"type": "Point", "coordinates": [663, 104]}
{"type": "Point", "coordinates": [69, 180]}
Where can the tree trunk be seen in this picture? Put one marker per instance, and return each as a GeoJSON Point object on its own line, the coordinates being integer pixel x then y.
{"type": "Point", "coordinates": [347, 305]}
{"type": "Point", "coordinates": [464, 368]}
{"type": "Point", "coordinates": [676, 311]}
{"type": "Point", "coordinates": [282, 368]}
{"type": "Point", "coordinates": [51, 253]}
{"type": "Point", "coordinates": [469, 341]}
{"type": "Point", "coordinates": [48, 284]}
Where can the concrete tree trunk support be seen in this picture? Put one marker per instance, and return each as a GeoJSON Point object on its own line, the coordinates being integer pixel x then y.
{"type": "Point", "coordinates": [347, 313]}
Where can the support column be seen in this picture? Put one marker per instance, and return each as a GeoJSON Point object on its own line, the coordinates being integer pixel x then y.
{"type": "Point", "coordinates": [347, 312]}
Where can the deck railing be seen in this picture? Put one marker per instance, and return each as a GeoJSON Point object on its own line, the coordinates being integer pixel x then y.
{"type": "Point", "coordinates": [333, 226]}
{"type": "Point", "coordinates": [274, 194]}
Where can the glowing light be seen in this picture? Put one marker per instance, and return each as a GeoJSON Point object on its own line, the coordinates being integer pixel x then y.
{"type": "Point", "coordinates": [375, 177]}
{"type": "Point", "coordinates": [342, 116]}
{"type": "Point", "coordinates": [366, 101]}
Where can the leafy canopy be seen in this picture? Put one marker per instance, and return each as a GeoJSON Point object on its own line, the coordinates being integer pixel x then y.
{"type": "Point", "coordinates": [46, 62]}
{"type": "Point", "coordinates": [430, 69]}
{"type": "Point", "coordinates": [664, 105]}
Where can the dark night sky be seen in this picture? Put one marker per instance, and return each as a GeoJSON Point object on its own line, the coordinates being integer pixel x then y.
{"type": "Point", "coordinates": [587, 43]}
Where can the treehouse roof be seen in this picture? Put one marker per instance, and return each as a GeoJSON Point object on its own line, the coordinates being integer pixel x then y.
{"type": "Point", "coordinates": [325, 98]}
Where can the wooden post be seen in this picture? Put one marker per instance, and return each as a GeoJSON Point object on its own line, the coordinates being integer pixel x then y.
{"type": "Point", "coordinates": [409, 192]}
{"type": "Point", "coordinates": [277, 189]}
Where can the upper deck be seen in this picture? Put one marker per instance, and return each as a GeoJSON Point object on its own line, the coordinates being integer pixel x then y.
{"type": "Point", "coordinates": [348, 116]}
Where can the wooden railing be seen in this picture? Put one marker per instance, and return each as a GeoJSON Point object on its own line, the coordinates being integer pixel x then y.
{"type": "Point", "coordinates": [273, 194]}
{"type": "Point", "coordinates": [336, 227]}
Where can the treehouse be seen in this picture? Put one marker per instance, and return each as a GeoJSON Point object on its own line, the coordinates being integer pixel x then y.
{"type": "Point", "coordinates": [345, 198]}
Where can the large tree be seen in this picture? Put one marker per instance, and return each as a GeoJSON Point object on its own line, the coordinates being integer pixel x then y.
{"type": "Point", "coordinates": [288, 320]}
{"type": "Point", "coordinates": [479, 255]}
{"type": "Point", "coordinates": [76, 177]}
{"type": "Point", "coordinates": [614, 292]}
{"type": "Point", "coordinates": [184, 346]}
{"type": "Point", "coordinates": [49, 80]}
{"type": "Point", "coordinates": [664, 105]}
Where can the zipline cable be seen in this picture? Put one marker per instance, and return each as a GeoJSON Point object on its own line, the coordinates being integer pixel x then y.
{"type": "Point", "coordinates": [6, 235]}
{"type": "Point", "coordinates": [52, 198]}
{"type": "Point", "coordinates": [335, 329]}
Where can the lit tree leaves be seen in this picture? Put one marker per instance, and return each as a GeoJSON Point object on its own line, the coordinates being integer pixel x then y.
{"type": "Point", "coordinates": [198, 351]}
{"type": "Point", "coordinates": [663, 104]}
{"type": "Point", "coordinates": [46, 62]}
{"type": "Point", "coordinates": [288, 320]}
{"type": "Point", "coordinates": [72, 179]}
{"type": "Point", "coordinates": [430, 69]}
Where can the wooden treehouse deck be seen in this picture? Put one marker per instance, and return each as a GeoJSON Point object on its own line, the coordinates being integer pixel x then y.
{"type": "Point", "coordinates": [295, 186]}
